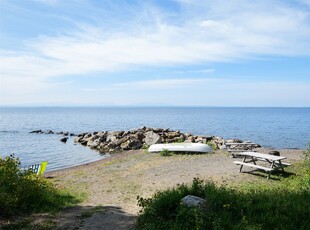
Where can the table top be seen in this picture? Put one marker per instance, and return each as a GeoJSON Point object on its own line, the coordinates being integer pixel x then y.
{"type": "Point", "coordinates": [262, 155]}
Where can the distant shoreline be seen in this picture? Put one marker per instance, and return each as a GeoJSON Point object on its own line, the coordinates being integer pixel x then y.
{"type": "Point", "coordinates": [151, 107]}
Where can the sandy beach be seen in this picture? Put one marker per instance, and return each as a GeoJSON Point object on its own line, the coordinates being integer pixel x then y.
{"type": "Point", "coordinates": [113, 184]}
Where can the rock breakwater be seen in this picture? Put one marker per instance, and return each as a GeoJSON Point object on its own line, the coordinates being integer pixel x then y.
{"type": "Point", "coordinates": [139, 138]}
{"type": "Point", "coordinates": [115, 141]}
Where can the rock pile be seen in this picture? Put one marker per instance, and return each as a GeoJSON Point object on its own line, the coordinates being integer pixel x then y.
{"type": "Point", "coordinates": [136, 139]}
{"type": "Point", "coordinates": [236, 144]}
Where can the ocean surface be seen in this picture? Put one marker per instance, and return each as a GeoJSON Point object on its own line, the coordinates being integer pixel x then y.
{"type": "Point", "coordinates": [271, 127]}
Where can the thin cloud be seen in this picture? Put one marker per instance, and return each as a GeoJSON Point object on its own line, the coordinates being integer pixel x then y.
{"type": "Point", "coordinates": [206, 91]}
{"type": "Point", "coordinates": [163, 83]}
{"type": "Point", "coordinates": [195, 71]}
{"type": "Point", "coordinates": [47, 2]}
{"type": "Point", "coordinates": [261, 31]}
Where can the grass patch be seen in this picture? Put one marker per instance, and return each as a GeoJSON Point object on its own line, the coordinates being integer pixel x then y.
{"type": "Point", "coordinates": [180, 140]}
{"type": "Point", "coordinates": [165, 153]}
{"type": "Point", "coordinates": [22, 192]}
{"type": "Point", "coordinates": [30, 224]}
{"type": "Point", "coordinates": [91, 212]}
{"type": "Point", "coordinates": [282, 204]}
{"type": "Point", "coordinates": [145, 146]}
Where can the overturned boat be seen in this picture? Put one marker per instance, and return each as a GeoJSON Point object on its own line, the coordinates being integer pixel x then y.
{"type": "Point", "coordinates": [181, 147]}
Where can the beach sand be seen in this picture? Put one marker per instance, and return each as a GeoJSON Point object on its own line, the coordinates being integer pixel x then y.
{"type": "Point", "coordinates": [113, 184]}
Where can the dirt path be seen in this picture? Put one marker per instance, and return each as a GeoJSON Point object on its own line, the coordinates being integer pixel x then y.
{"type": "Point", "coordinates": [112, 185]}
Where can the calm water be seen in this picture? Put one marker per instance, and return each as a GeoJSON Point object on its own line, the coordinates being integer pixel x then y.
{"type": "Point", "coordinates": [270, 127]}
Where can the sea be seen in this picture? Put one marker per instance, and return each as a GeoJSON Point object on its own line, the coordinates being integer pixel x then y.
{"type": "Point", "coordinates": [276, 128]}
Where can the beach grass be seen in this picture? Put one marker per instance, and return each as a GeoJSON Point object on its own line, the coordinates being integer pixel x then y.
{"type": "Point", "coordinates": [165, 153]}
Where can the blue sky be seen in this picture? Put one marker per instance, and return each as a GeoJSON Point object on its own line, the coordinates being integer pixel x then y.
{"type": "Point", "coordinates": [155, 53]}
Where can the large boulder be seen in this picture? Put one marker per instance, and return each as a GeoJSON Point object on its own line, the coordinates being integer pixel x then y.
{"type": "Point", "coordinates": [78, 139]}
{"type": "Point", "coordinates": [135, 144]}
{"type": "Point", "coordinates": [111, 137]}
{"type": "Point", "coordinates": [138, 136]}
{"type": "Point", "coordinates": [93, 144]}
{"type": "Point", "coordinates": [152, 138]}
{"type": "Point", "coordinates": [117, 134]}
{"type": "Point", "coordinates": [172, 134]}
{"type": "Point", "coordinates": [131, 144]}
{"type": "Point", "coordinates": [194, 201]}
{"type": "Point", "coordinates": [201, 139]}
{"type": "Point", "coordinates": [190, 139]}
{"type": "Point", "coordinates": [91, 140]}
{"type": "Point", "coordinates": [125, 145]}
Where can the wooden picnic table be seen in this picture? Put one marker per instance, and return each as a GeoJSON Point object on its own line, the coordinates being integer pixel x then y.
{"type": "Point", "coordinates": [251, 158]}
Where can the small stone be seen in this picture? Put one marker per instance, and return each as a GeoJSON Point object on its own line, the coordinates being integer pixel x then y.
{"type": "Point", "coordinates": [64, 140]}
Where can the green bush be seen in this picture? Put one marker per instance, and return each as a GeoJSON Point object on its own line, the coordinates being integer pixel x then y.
{"type": "Point", "coordinates": [274, 206]}
{"type": "Point", "coordinates": [24, 192]}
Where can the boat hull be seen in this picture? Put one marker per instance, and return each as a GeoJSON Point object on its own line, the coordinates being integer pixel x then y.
{"type": "Point", "coordinates": [181, 147]}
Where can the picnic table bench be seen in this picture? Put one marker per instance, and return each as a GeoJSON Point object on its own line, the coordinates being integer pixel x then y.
{"type": "Point", "coordinates": [235, 152]}
{"type": "Point", "coordinates": [251, 158]}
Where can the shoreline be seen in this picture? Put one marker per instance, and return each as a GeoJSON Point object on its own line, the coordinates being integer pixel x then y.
{"type": "Point", "coordinates": [123, 154]}
{"type": "Point", "coordinates": [94, 162]}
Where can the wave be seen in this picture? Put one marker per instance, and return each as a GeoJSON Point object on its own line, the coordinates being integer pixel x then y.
{"type": "Point", "coordinates": [6, 131]}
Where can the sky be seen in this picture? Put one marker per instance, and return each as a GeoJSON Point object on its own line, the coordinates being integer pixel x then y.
{"type": "Point", "coordinates": [155, 53]}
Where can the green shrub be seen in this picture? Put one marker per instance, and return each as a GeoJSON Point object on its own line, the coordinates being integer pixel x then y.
{"type": "Point", "coordinates": [180, 140]}
{"type": "Point", "coordinates": [212, 145]}
{"type": "Point", "coordinates": [252, 206]}
{"type": "Point", "coordinates": [24, 192]}
{"type": "Point", "coordinates": [165, 153]}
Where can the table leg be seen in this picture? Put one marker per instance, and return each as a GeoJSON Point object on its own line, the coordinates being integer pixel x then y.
{"type": "Point", "coordinates": [271, 167]}
{"type": "Point", "coordinates": [254, 160]}
{"type": "Point", "coordinates": [241, 166]}
{"type": "Point", "coordinates": [268, 175]}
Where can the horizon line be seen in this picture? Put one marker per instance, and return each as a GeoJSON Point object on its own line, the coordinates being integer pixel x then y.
{"type": "Point", "coordinates": [145, 106]}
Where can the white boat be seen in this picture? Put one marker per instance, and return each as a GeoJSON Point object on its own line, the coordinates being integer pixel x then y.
{"type": "Point", "coordinates": [181, 147]}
